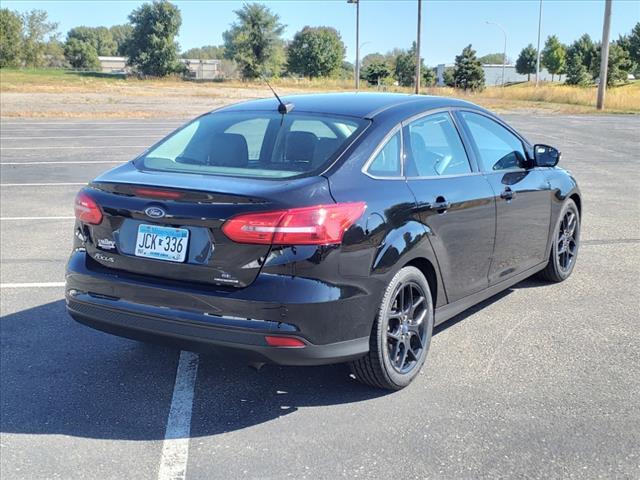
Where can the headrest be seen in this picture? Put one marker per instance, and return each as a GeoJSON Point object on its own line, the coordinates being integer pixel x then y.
{"type": "Point", "coordinates": [228, 150]}
{"type": "Point", "coordinates": [300, 147]}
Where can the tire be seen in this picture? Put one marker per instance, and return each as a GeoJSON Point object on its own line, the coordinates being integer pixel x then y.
{"type": "Point", "coordinates": [564, 249]}
{"type": "Point", "coordinates": [398, 331]}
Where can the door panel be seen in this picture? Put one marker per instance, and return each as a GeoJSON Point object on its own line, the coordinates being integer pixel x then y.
{"type": "Point", "coordinates": [522, 195]}
{"type": "Point", "coordinates": [523, 222]}
{"type": "Point", "coordinates": [456, 204]}
{"type": "Point", "coordinates": [462, 236]}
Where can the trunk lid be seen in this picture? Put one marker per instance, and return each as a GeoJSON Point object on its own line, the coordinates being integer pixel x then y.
{"type": "Point", "coordinates": [191, 207]}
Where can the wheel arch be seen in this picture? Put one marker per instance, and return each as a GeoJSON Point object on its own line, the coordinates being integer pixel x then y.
{"type": "Point", "coordinates": [429, 271]}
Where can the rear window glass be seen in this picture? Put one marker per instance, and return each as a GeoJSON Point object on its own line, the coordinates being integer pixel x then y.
{"type": "Point", "coordinates": [253, 144]}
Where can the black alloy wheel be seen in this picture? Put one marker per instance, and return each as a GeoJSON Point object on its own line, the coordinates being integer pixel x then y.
{"type": "Point", "coordinates": [401, 333]}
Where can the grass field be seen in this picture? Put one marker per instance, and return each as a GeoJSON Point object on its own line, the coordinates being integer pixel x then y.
{"type": "Point", "coordinates": [48, 93]}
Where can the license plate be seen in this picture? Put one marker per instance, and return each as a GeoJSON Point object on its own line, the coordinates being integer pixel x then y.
{"type": "Point", "coordinates": [162, 243]}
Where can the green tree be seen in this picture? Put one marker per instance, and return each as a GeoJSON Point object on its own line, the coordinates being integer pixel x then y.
{"type": "Point", "coordinates": [492, 59]}
{"type": "Point", "coordinates": [208, 52]}
{"type": "Point", "coordinates": [316, 52]}
{"type": "Point", "coordinates": [448, 77]}
{"type": "Point", "coordinates": [54, 54]}
{"type": "Point", "coordinates": [577, 73]}
{"type": "Point", "coordinates": [152, 49]}
{"type": "Point", "coordinates": [631, 44]}
{"type": "Point", "coordinates": [468, 73]}
{"type": "Point", "coordinates": [254, 41]}
{"type": "Point", "coordinates": [618, 67]}
{"type": "Point", "coordinates": [554, 56]}
{"type": "Point", "coordinates": [428, 76]}
{"type": "Point", "coordinates": [376, 72]}
{"type": "Point", "coordinates": [121, 34]}
{"type": "Point", "coordinates": [371, 58]}
{"type": "Point", "coordinates": [585, 50]}
{"type": "Point", "coordinates": [99, 37]}
{"type": "Point", "coordinates": [81, 54]}
{"type": "Point", "coordinates": [10, 38]}
{"type": "Point", "coordinates": [36, 31]}
{"type": "Point", "coordinates": [405, 65]}
{"type": "Point", "coordinates": [526, 62]}
{"type": "Point", "coordinates": [634, 44]}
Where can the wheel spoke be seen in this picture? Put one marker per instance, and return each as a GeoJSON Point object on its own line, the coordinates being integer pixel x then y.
{"type": "Point", "coordinates": [403, 356]}
{"type": "Point", "coordinates": [561, 248]}
{"type": "Point", "coordinates": [416, 304]}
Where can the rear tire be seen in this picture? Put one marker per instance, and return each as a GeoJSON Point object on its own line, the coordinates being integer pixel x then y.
{"type": "Point", "coordinates": [564, 249]}
{"type": "Point", "coordinates": [401, 333]}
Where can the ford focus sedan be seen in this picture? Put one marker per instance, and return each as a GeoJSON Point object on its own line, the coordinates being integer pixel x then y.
{"type": "Point", "coordinates": [320, 229]}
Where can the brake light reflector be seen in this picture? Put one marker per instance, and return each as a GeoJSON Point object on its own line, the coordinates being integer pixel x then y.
{"type": "Point", "coordinates": [86, 209]}
{"type": "Point", "coordinates": [317, 225]}
{"type": "Point", "coordinates": [284, 342]}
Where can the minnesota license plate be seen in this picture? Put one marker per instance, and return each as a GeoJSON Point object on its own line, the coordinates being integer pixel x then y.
{"type": "Point", "coordinates": [162, 243]}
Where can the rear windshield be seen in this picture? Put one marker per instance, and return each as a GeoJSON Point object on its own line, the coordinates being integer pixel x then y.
{"type": "Point", "coordinates": [253, 144]}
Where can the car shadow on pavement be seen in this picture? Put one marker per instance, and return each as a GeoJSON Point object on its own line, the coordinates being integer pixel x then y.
{"type": "Point", "coordinates": [58, 377]}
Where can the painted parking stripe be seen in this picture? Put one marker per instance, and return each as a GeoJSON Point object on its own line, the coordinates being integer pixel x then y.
{"type": "Point", "coordinates": [175, 448]}
{"type": "Point", "coordinates": [36, 218]}
{"type": "Point", "coordinates": [63, 162]}
{"type": "Point", "coordinates": [74, 148]}
{"type": "Point", "coordinates": [31, 285]}
{"type": "Point", "coordinates": [76, 137]}
{"type": "Point", "coordinates": [63, 184]}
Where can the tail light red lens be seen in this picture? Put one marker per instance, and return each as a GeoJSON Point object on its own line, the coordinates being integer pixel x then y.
{"type": "Point", "coordinates": [284, 342]}
{"type": "Point", "coordinates": [318, 225]}
{"type": "Point", "coordinates": [86, 209]}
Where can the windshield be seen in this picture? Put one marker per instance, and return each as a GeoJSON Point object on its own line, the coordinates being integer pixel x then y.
{"type": "Point", "coordinates": [253, 144]}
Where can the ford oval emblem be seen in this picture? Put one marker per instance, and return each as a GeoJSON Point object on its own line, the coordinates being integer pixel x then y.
{"type": "Point", "coordinates": [155, 212]}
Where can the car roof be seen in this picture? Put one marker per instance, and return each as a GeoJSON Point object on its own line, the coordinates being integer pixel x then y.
{"type": "Point", "coordinates": [354, 104]}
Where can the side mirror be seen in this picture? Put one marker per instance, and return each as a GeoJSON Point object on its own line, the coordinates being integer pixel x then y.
{"type": "Point", "coordinates": [546, 156]}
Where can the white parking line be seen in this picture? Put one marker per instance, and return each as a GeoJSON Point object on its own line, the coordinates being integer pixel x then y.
{"type": "Point", "coordinates": [36, 218]}
{"type": "Point", "coordinates": [141, 122]}
{"type": "Point", "coordinates": [175, 449]}
{"type": "Point", "coordinates": [63, 162]}
{"type": "Point", "coordinates": [71, 148]}
{"type": "Point", "coordinates": [70, 184]}
{"type": "Point", "coordinates": [31, 285]}
{"type": "Point", "coordinates": [76, 137]}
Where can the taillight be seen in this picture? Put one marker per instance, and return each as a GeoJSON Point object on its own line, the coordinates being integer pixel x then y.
{"type": "Point", "coordinates": [318, 225]}
{"type": "Point", "coordinates": [86, 209]}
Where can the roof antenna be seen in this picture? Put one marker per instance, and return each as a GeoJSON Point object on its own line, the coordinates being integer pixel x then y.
{"type": "Point", "coordinates": [283, 108]}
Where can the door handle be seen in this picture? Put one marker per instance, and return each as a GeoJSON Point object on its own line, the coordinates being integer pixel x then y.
{"type": "Point", "coordinates": [507, 194]}
{"type": "Point", "coordinates": [441, 204]}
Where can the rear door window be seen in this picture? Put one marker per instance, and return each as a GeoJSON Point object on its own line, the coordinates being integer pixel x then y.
{"type": "Point", "coordinates": [435, 148]}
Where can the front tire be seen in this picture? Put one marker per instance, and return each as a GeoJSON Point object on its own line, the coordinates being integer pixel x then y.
{"type": "Point", "coordinates": [564, 250]}
{"type": "Point", "coordinates": [401, 334]}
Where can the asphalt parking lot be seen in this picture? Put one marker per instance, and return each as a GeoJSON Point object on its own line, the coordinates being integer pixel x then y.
{"type": "Point", "coordinates": [542, 381]}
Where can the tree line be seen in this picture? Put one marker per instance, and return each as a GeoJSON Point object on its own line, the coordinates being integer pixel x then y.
{"type": "Point", "coordinates": [253, 47]}
{"type": "Point", "coordinates": [580, 61]}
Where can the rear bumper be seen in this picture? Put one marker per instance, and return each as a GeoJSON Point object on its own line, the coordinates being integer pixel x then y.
{"type": "Point", "coordinates": [207, 320]}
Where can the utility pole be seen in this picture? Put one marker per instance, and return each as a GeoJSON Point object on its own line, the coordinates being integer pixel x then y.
{"type": "Point", "coordinates": [539, 31]}
{"type": "Point", "coordinates": [357, 2]}
{"type": "Point", "coordinates": [418, 48]}
{"type": "Point", "coordinates": [604, 54]}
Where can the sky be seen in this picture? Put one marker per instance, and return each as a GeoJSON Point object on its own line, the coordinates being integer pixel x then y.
{"type": "Point", "coordinates": [447, 25]}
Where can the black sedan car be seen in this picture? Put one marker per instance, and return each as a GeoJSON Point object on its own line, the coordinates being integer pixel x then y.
{"type": "Point", "coordinates": [319, 229]}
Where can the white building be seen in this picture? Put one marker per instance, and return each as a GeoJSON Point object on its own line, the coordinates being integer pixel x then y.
{"type": "Point", "coordinates": [197, 69]}
{"type": "Point", "coordinates": [493, 74]}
